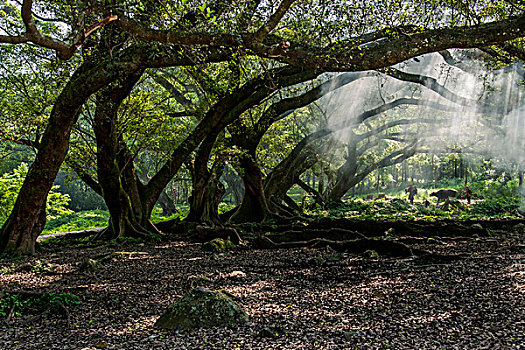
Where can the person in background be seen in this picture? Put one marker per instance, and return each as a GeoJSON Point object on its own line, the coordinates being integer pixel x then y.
{"type": "Point", "coordinates": [468, 194]}
{"type": "Point", "coordinates": [412, 191]}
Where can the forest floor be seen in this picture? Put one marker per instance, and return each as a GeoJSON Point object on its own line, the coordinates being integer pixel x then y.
{"type": "Point", "coordinates": [300, 298]}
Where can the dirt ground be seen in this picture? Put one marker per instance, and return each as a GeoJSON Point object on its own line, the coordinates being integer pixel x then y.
{"type": "Point", "coordinates": [296, 298]}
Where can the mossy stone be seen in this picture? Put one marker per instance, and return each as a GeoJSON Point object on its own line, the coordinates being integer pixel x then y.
{"type": "Point", "coordinates": [218, 245]}
{"type": "Point", "coordinates": [202, 307]}
{"type": "Point", "coordinates": [90, 265]}
{"type": "Point", "coordinates": [370, 253]}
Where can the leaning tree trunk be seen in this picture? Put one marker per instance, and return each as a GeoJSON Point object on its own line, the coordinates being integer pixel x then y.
{"type": "Point", "coordinates": [167, 204]}
{"type": "Point", "coordinates": [346, 176]}
{"type": "Point", "coordinates": [346, 179]}
{"type": "Point", "coordinates": [287, 173]}
{"type": "Point", "coordinates": [207, 189]}
{"type": "Point", "coordinates": [206, 195]}
{"type": "Point", "coordinates": [121, 187]}
{"type": "Point", "coordinates": [254, 206]}
{"type": "Point", "coordinates": [18, 234]}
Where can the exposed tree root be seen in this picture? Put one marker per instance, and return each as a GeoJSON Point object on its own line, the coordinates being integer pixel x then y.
{"type": "Point", "coordinates": [206, 233]}
{"type": "Point", "coordinates": [448, 228]}
{"type": "Point", "coordinates": [381, 246]}
{"type": "Point", "coordinates": [127, 229]}
{"type": "Point", "coordinates": [168, 226]}
{"type": "Point", "coordinates": [306, 234]}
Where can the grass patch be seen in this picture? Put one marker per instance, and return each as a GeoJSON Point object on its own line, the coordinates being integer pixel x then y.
{"type": "Point", "coordinates": [156, 214]}
{"type": "Point", "coordinates": [400, 209]}
{"type": "Point", "coordinates": [78, 221]}
{"type": "Point", "coordinates": [16, 304]}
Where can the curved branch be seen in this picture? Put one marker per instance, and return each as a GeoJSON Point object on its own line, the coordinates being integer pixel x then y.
{"type": "Point", "coordinates": [398, 122]}
{"type": "Point", "coordinates": [273, 21]}
{"type": "Point", "coordinates": [286, 106]}
{"type": "Point", "coordinates": [32, 34]}
{"type": "Point", "coordinates": [170, 88]}
{"type": "Point", "coordinates": [430, 83]}
{"type": "Point", "coordinates": [387, 52]}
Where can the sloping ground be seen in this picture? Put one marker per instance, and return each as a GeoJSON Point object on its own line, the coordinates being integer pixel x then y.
{"type": "Point", "coordinates": [296, 298]}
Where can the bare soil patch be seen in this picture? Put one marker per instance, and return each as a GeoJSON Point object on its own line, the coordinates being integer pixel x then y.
{"type": "Point", "coordinates": [300, 298]}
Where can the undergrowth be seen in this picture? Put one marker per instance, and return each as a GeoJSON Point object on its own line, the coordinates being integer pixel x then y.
{"type": "Point", "coordinates": [16, 304]}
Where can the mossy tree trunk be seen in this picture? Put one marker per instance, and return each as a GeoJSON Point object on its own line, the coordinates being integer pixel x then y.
{"type": "Point", "coordinates": [19, 232]}
{"type": "Point", "coordinates": [207, 189]}
{"type": "Point", "coordinates": [254, 206]}
{"type": "Point", "coordinates": [121, 188]}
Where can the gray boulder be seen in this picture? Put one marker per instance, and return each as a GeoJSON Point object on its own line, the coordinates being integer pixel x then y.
{"type": "Point", "coordinates": [202, 307]}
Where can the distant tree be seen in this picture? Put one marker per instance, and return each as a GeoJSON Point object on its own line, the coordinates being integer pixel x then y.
{"type": "Point", "coordinates": [308, 35]}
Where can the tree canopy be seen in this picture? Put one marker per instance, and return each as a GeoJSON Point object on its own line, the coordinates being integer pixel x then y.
{"type": "Point", "coordinates": [231, 68]}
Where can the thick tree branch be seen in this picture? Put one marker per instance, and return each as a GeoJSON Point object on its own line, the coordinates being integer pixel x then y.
{"type": "Point", "coordinates": [307, 188]}
{"type": "Point", "coordinates": [85, 177]}
{"type": "Point", "coordinates": [399, 122]}
{"type": "Point", "coordinates": [19, 141]}
{"type": "Point", "coordinates": [170, 88]}
{"type": "Point", "coordinates": [32, 34]}
{"type": "Point", "coordinates": [513, 50]}
{"type": "Point", "coordinates": [400, 48]}
{"type": "Point", "coordinates": [274, 20]}
{"type": "Point", "coordinates": [387, 52]}
{"type": "Point", "coordinates": [430, 83]}
{"type": "Point", "coordinates": [393, 158]}
{"type": "Point", "coordinates": [284, 107]}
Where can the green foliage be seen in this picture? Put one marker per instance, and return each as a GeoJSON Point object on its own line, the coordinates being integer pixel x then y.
{"type": "Point", "coordinates": [493, 207]}
{"type": "Point", "coordinates": [78, 221]}
{"type": "Point", "coordinates": [156, 215]}
{"type": "Point", "coordinates": [20, 304]}
{"type": "Point", "coordinates": [10, 184]}
{"type": "Point", "coordinates": [90, 219]}
{"type": "Point", "coordinates": [225, 207]}
{"type": "Point", "coordinates": [7, 270]}
{"type": "Point", "coordinates": [399, 209]}
{"type": "Point", "coordinates": [42, 268]}
{"type": "Point", "coordinates": [493, 189]}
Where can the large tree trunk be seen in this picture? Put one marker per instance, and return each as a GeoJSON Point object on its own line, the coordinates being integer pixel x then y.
{"type": "Point", "coordinates": [346, 175]}
{"type": "Point", "coordinates": [206, 195]}
{"type": "Point", "coordinates": [254, 206]}
{"type": "Point", "coordinates": [121, 187]}
{"type": "Point", "coordinates": [25, 243]}
{"type": "Point", "coordinates": [346, 179]}
{"type": "Point", "coordinates": [207, 189]}
{"type": "Point", "coordinates": [18, 234]}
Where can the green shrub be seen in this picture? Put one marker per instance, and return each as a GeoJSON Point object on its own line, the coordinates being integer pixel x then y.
{"type": "Point", "coordinates": [493, 189]}
{"type": "Point", "coordinates": [21, 303]}
{"type": "Point", "coordinates": [492, 207]}
{"type": "Point", "coordinates": [10, 184]}
{"type": "Point", "coordinates": [156, 214]}
{"type": "Point", "coordinates": [78, 221]}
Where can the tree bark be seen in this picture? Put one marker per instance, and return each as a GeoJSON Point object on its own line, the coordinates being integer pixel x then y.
{"type": "Point", "coordinates": [346, 175]}
{"type": "Point", "coordinates": [207, 189]}
{"type": "Point", "coordinates": [18, 234]}
{"type": "Point", "coordinates": [254, 206]}
{"type": "Point", "coordinates": [121, 188]}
